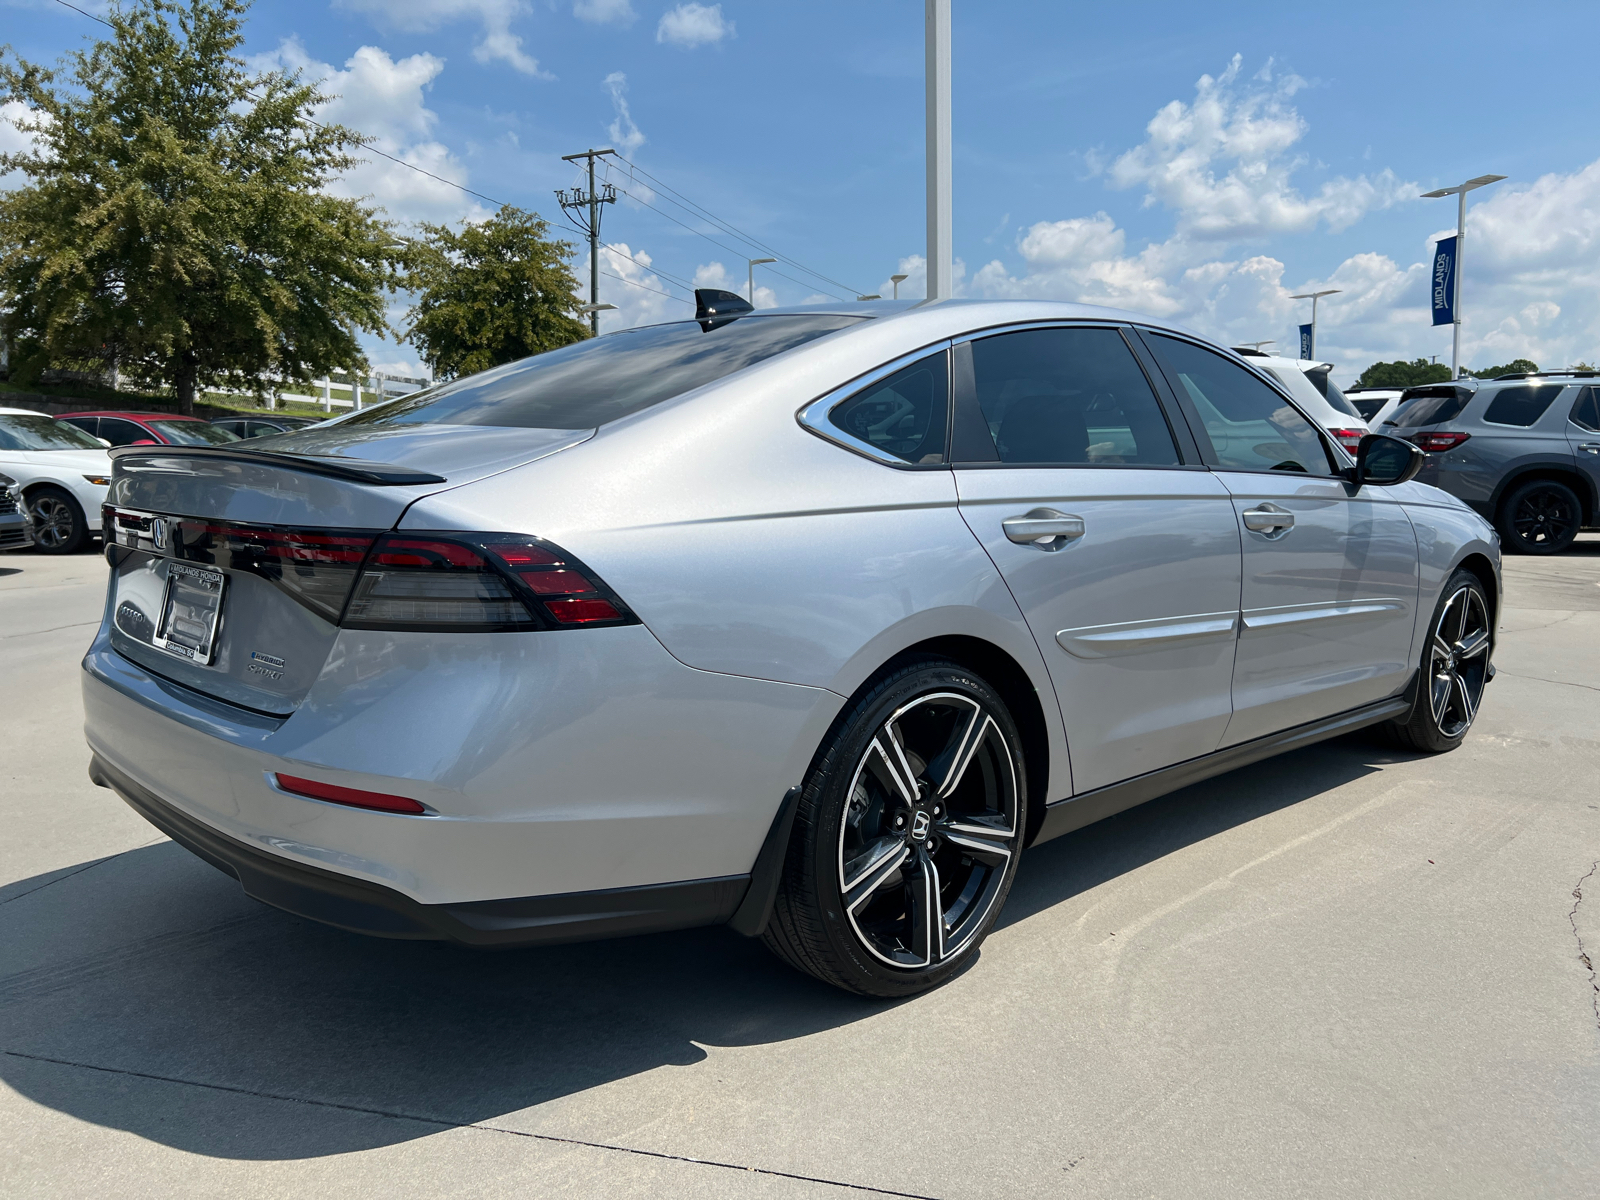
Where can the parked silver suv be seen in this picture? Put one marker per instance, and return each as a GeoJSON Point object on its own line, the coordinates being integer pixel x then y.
{"type": "Point", "coordinates": [1523, 450]}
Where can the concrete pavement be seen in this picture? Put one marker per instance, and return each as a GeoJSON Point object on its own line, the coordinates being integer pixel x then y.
{"type": "Point", "coordinates": [1345, 972]}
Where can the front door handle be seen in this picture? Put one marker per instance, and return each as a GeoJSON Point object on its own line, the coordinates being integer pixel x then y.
{"type": "Point", "coordinates": [1591, 447]}
{"type": "Point", "coordinates": [1043, 527]}
{"type": "Point", "coordinates": [1268, 519]}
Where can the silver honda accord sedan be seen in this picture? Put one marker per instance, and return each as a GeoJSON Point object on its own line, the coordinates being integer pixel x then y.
{"type": "Point", "coordinates": [805, 621]}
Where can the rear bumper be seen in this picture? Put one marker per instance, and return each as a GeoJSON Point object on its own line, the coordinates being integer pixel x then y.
{"type": "Point", "coordinates": [363, 907]}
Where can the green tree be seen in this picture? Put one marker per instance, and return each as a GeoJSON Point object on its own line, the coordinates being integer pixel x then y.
{"type": "Point", "coordinates": [1525, 366]}
{"type": "Point", "coordinates": [1402, 374]}
{"type": "Point", "coordinates": [175, 222]}
{"type": "Point", "coordinates": [491, 293]}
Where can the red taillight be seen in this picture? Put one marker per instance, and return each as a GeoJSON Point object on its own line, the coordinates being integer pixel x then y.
{"type": "Point", "coordinates": [355, 797]}
{"type": "Point", "coordinates": [477, 582]}
{"type": "Point", "coordinates": [1350, 439]}
{"type": "Point", "coordinates": [1437, 443]}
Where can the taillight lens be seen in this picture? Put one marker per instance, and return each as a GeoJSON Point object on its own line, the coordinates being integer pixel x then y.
{"type": "Point", "coordinates": [478, 582]}
{"type": "Point", "coordinates": [1350, 439]}
{"type": "Point", "coordinates": [355, 797]}
{"type": "Point", "coordinates": [1436, 443]}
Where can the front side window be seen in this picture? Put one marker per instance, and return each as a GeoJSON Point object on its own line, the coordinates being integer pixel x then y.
{"type": "Point", "coordinates": [902, 416]}
{"type": "Point", "coordinates": [1251, 427]}
{"type": "Point", "coordinates": [19, 432]}
{"type": "Point", "coordinates": [1586, 410]}
{"type": "Point", "coordinates": [606, 378]}
{"type": "Point", "coordinates": [1069, 397]}
{"type": "Point", "coordinates": [1521, 406]}
{"type": "Point", "coordinates": [123, 433]}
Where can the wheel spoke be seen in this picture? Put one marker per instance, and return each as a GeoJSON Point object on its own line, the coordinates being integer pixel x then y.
{"type": "Point", "coordinates": [927, 914]}
{"type": "Point", "coordinates": [950, 770]}
{"type": "Point", "coordinates": [885, 869]}
{"type": "Point", "coordinates": [1464, 697]}
{"type": "Point", "coordinates": [1456, 609]}
{"type": "Point", "coordinates": [896, 773]}
{"type": "Point", "coordinates": [978, 840]}
{"type": "Point", "coordinates": [1441, 648]}
{"type": "Point", "coordinates": [1473, 645]}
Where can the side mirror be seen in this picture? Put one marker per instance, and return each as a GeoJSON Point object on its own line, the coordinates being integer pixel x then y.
{"type": "Point", "coordinates": [1384, 461]}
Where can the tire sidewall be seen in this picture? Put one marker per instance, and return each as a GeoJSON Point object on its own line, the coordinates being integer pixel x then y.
{"type": "Point", "coordinates": [1508, 530]}
{"type": "Point", "coordinates": [80, 529]}
{"type": "Point", "coordinates": [828, 790]}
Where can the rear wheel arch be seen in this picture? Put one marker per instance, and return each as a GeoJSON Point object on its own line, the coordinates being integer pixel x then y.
{"type": "Point", "coordinates": [1573, 479]}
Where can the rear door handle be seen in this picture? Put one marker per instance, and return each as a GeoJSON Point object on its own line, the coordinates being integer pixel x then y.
{"type": "Point", "coordinates": [1043, 527]}
{"type": "Point", "coordinates": [1268, 519]}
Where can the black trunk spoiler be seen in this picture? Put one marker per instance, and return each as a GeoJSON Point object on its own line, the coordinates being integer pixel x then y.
{"type": "Point", "coordinates": [355, 470]}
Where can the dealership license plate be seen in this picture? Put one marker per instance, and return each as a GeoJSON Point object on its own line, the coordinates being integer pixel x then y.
{"type": "Point", "coordinates": [190, 612]}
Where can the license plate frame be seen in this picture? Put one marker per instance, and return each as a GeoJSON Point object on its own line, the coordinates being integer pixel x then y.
{"type": "Point", "coordinates": [191, 612]}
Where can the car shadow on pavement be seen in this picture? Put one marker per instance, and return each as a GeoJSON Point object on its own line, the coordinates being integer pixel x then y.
{"type": "Point", "coordinates": [151, 966]}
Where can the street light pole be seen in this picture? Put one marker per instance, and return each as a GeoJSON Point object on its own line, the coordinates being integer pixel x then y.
{"type": "Point", "coordinates": [754, 263]}
{"type": "Point", "coordinates": [1461, 244]}
{"type": "Point", "coordinates": [897, 280]}
{"type": "Point", "coordinates": [1313, 297]}
{"type": "Point", "coordinates": [941, 247]}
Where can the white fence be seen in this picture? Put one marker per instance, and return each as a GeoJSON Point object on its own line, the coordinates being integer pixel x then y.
{"type": "Point", "coordinates": [371, 389]}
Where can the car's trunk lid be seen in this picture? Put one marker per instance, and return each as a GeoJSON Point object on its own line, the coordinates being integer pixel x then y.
{"type": "Point", "coordinates": [231, 565]}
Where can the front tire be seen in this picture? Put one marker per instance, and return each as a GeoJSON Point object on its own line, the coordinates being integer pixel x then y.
{"type": "Point", "coordinates": [1541, 517]}
{"type": "Point", "coordinates": [907, 835]}
{"type": "Point", "coordinates": [58, 523]}
{"type": "Point", "coordinates": [1455, 669]}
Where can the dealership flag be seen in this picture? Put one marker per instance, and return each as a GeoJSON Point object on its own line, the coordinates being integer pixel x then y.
{"type": "Point", "coordinates": [1444, 282]}
{"type": "Point", "coordinates": [1305, 341]}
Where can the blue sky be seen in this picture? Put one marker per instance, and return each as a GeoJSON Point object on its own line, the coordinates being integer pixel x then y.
{"type": "Point", "coordinates": [1196, 161]}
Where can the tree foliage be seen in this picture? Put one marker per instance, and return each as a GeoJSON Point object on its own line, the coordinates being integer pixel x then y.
{"type": "Point", "coordinates": [491, 293]}
{"type": "Point", "coordinates": [1524, 366]}
{"type": "Point", "coordinates": [175, 222]}
{"type": "Point", "coordinates": [1402, 374]}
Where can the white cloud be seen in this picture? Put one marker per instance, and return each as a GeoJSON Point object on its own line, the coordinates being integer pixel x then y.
{"type": "Point", "coordinates": [915, 286]}
{"type": "Point", "coordinates": [13, 140]}
{"type": "Point", "coordinates": [642, 297]}
{"type": "Point", "coordinates": [1224, 165]}
{"type": "Point", "coordinates": [715, 275]}
{"type": "Point", "coordinates": [691, 25]}
{"type": "Point", "coordinates": [625, 135]}
{"type": "Point", "coordinates": [605, 12]}
{"type": "Point", "coordinates": [384, 99]}
{"type": "Point", "coordinates": [498, 43]}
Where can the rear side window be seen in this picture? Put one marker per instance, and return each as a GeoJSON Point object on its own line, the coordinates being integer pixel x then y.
{"type": "Point", "coordinates": [1069, 397]}
{"type": "Point", "coordinates": [1520, 405]}
{"type": "Point", "coordinates": [1586, 411]}
{"type": "Point", "coordinates": [1430, 409]}
{"type": "Point", "coordinates": [904, 415]}
{"type": "Point", "coordinates": [604, 379]}
{"type": "Point", "coordinates": [1250, 426]}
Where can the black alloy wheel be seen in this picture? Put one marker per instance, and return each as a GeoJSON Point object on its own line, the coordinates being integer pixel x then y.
{"type": "Point", "coordinates": [907, 836]}
{"type": "Point", "coordinates": [1455, 668]}
{"type": "Point", "coordinates": [1541, 517]}
{"type": "Point", "coordinates": [58, 524]}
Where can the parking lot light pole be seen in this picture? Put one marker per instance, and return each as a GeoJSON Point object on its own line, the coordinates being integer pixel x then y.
{"type": "Point", "coordinates": [941, 252]}
{"type": "Point", "coordinates": [1461, 242]}
{"type": "Point", "coordinates": [897, 280]}
{"type": "Point", "coordinates": [1313, 297]}
{"type": "Point", "coordinates": [754, 263]}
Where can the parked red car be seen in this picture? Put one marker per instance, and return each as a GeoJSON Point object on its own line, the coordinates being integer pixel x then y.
{"type": "Point", "coordinates": [149, 429]}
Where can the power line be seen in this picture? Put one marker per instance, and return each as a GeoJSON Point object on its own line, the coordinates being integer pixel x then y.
{"type": "Point", "coordinates": [657, 291]}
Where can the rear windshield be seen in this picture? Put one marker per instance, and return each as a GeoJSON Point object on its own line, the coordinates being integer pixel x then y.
{"type": "Point", "coordinates": [1429, 410]}
{"type": "Point", "coordinates": [1520, 405]}
{"type": "Point", "coordinates": [193, 433]}
{"type": "Point", "coordinates": [1340, 401]}
{"type": "Point", "coordinates": [18, 432]}
{"type": "Point", "coordinates": [1368, 407]}
{"type": "Point", "coordinates": [606, 378]}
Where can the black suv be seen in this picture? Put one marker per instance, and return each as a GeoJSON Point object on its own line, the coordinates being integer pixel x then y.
{"type": "Point", "coordinates": [1523, 450]}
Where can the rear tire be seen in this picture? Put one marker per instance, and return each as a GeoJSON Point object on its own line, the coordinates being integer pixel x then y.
{"type": "Point", "coordinates": [906, 837]}
{"type": "Point", "coordinates": [58, 523]}
{"type": "Point", "coordinates": [1541, 517]}
{"type": "Point", "coordinates": [1454, 669]}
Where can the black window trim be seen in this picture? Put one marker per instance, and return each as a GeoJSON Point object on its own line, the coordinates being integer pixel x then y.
{"type": "Point", "coordinates": [1584, 393]}
{"type": "Point", "coordinates": [817, 416]}
{"type": "Point", "coordinates": [1337, 457]}
{"type": "Point", "coordinates": [964, 404]}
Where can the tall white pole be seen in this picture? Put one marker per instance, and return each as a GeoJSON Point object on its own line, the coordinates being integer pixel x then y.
{"type": "Point", "coordinates": [1313, 353]}
{"type": "Point", "coordinates": [1461, 244]}
{"type": "Point", "coordinates": [941, 246]}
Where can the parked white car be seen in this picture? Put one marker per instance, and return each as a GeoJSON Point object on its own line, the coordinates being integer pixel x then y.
{"type": "Point", "coordinates": [63, 473]}
{"type": "Point", "coordinates": [1313, 389]}
{"type": "Point", "coordinates": [1377, 405]}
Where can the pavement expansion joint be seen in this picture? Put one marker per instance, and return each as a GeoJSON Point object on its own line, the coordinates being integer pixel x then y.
{"type": "Point", "coordinates": [1542, 679]}
{"type": "Point", "coordinates": [1583, 954]}
{"type": "Point", "coordinates": [445, 1123]}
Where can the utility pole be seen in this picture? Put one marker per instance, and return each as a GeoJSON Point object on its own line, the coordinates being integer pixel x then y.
{"type": "Point", "coordinates": [574, 202]}
{"type": "Point", "coordinates": [941, 245]}
{"type": "Point", "coordinates": [1460, 193]}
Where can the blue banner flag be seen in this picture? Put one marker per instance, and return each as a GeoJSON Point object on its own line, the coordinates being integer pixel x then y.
{"type": "Point", "coordinates": [1444, 281]}
{"type": "Point", "coordinates": [1305, 341]}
